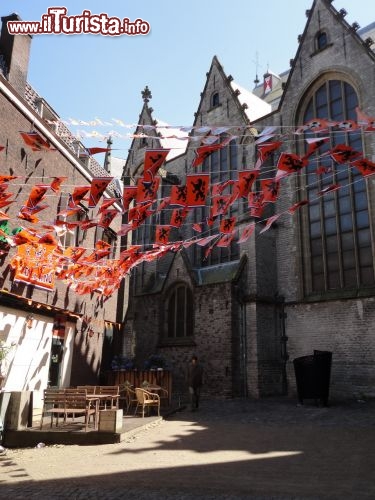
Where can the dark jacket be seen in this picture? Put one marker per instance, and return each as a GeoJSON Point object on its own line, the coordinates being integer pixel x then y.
{"type": "Point", "coordinates": [195, 375]}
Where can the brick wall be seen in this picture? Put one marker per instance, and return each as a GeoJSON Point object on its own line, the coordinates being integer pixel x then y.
{"type": "Point", "coordinates": [346, 329]}
{"type": "Point", "coordinates": [39, 167]}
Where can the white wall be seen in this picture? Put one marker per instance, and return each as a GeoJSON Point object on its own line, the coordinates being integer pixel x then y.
{"type": "Point", "coordinates": [27, 364]}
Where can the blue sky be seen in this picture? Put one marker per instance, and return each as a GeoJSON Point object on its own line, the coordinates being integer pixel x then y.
{"type": "Point", "coordinates": [87, 76]}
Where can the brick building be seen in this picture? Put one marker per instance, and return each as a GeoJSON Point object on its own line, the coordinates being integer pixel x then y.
{"type": "Point", "coordinates": [304, 283]}
{"type": "Point", "coordinates": [59, 334]}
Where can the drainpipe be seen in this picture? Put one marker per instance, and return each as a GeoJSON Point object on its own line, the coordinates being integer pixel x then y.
{"type": "Point", "coordinates": [243, 340]}
{"type": "Point", "coordinates": [283, 345]}
{"type": "Point", "coordinates": [239, 295]}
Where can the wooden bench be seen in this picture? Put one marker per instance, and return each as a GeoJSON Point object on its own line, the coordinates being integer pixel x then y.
{"type": "Point", "coordinates": [90, 389]}
{"type": "Point", "coordinates": [78, 403]}
{"type": "Point", "coordinates": [70, 403]}
{"type": "Point", "coordinates": [53, 403]}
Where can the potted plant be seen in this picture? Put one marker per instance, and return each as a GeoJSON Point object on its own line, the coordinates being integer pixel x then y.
{"type": "Point", "coordinates": [156, 362]}
{"type": "Point", "coordinates": [122, 363]}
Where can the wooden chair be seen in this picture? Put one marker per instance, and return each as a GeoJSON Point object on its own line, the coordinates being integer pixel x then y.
{"type": "Point", "coordinates": [164, 395]}
{"type": "Point", "coordinates": [113, 396]}
{"type": "Point", "coordinates": [128, 395]}
{"type": "Point", "coordinates": [53, 403]}
{"type": "Point", "coordinates": [146, 399]}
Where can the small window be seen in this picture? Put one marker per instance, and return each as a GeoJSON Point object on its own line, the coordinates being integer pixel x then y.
{"type": "Point", "coordinates": [215, 99]}
{"type": "Point", "coordinates": [321, 40]}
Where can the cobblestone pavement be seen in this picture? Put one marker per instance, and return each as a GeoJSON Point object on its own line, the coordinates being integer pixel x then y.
{"type": "Point", "coordinates": [233, 449]}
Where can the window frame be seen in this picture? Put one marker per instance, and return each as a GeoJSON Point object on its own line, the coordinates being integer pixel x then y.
{"type": "Point", "coordinates": [173, 294]}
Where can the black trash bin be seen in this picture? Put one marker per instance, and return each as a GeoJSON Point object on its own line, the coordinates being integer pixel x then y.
{"type": "Point", "coordinates": [313, 376]}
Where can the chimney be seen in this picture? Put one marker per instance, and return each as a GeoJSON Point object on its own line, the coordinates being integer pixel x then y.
{"type": "Point", "coordinates": [15, 51]}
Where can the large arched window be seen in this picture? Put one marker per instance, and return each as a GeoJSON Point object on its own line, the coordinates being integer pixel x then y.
{"type": "Point", "coordinates": [179, 314]}
{"type": "Point", "coordinates": [337, 233]}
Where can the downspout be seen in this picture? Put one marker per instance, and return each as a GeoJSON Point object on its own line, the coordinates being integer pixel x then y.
{"type": "Point", "coordinates": [242, 340]}
{"type": "Point", "coordinates": [283, 346]}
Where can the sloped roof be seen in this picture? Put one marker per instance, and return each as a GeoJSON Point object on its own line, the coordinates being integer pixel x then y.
{"type": "Point", "coordinates": [256, 107]}
{"type": "Point", "coordinates": [221, 273]}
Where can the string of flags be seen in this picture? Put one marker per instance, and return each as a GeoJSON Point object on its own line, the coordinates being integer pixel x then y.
{"type": "Point", "coordinates": [40, 257]}
{"type": "Point", "coordinates": [209, 134]}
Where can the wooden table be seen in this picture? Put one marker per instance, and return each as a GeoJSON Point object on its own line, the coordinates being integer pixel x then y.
{"type": "Point", "coordinates": [113, 398]}
{"type": "Point", "coordinates": [151, 388]}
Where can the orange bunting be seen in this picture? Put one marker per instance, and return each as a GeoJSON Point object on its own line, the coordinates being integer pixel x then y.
{"type": "Point", "coordinates": [162, 234]}
{"type": "Point", "coordinates": [227, 225]}
{"type": "Point", "coordinates": [343, 154]}
{"type": "Point", "coordinates": [178, 217]}
{"type": "Point", "coordinates": [98, 186]}
{"type": "Point", "coordinates": [246, 179]}
{"type": "Point", "coordinates": [147, 191]}
{"type": "Point", "coordinates": [178, 196]}
{"type": "Point", "coordinates": [247, 232]}
{"type": "Point", "coordinates": [55, 184]}
{"type": "Point", "coordinates": [35, 141]}
{"type": "Point", "coordinates": [107, 217]}
{"type": "Point", "coordinates": [154, 159]}
{"type": "Point", "coordinates": [197, 187]}
{"type": "Point", "coordinates": [366, 167]}
{"type": "Point", "coordinates": [79, 193]}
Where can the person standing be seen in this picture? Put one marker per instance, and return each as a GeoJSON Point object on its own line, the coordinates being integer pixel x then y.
{"type": "Point", "coordinates": [195, 381]}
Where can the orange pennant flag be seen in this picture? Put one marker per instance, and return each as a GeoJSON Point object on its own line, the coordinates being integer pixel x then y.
{"type": "Point", "coordinates": [55, 184]}
{"type": "Point", "coordinates": [98, 186]}
{"type": "Point", "coordinates": [154, 159]}
{"type": "Point", "coordinates": [78, 194]}
{"type": "Point", "coordinates": [35, 141]}
{"type": "Point", "coordinates": [162, 234]}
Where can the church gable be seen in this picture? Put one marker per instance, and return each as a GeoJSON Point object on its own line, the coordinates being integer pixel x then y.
{"type": "Point", "coordinates": [329, 44]}
{"type": "Point", "coordinates": [179, 271]}
{"type": "Point", "coordinates": [224, 101]}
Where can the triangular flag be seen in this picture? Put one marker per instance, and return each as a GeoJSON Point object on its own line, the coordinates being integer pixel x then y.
{"type": "Point", "coordinates": [154, 159]}
{"type": "Point", "coordinates": [365, 166]}
{"type": "Point", "coordinates": [247, 232]}
{"type": "Point", "coordinates": [269, 223]}
{"type": "Point", "coordinates": [343, 154]}
{"type": "Point", "coordinates": [79, 193]}
{"type": "Point", "coordinates": [98, 186]}
{"type": "Point", "coordinates": [107, 217]}
{"type": "Point", "coordinates": [35, 141]}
